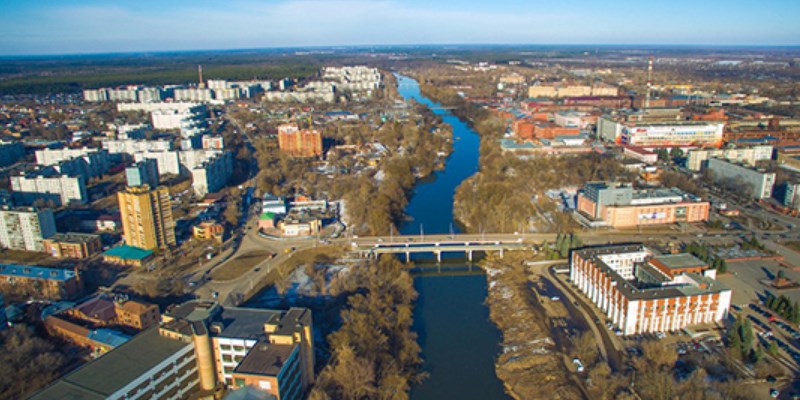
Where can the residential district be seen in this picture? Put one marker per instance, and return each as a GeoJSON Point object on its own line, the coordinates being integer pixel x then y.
{"type": "Point", "coordinates": [635, 215]}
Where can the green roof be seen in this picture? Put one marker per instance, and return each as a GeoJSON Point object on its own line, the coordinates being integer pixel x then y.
{"type": "Point", "coordinates": [114, 370]}
{"type": "Point", "coordinates": [126, 252]}
{"type": "Point", "coordinates": [267, 215]}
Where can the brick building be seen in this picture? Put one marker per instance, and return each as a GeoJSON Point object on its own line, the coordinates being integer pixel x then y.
{"type": "Point", "coordinates": [72, 245]}
{"type": "Point", "coordinates": [299, 142]}
{"type": "Point", "coordinates": [39, 282]}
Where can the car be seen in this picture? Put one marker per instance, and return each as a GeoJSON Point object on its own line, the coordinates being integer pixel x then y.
{"type": "Point", "coordinates": [774, 393]}
{"type": "Point", "coordinates": [771, 379]}
{"type": "Point", "coordinates": [256, 269]}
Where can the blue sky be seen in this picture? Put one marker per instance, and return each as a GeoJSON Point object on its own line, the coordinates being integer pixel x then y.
{"type": "Point", "coordinates": [99, 26]}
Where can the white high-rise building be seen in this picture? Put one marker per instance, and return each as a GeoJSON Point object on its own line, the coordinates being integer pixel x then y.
{"type": "Point", "coordinates": [61, 189]}
{"type": "Point", "coordinates": [24, 228]}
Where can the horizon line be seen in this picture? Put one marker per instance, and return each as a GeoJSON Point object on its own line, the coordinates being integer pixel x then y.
{"type": "Point", "coordinates": [360, 46]}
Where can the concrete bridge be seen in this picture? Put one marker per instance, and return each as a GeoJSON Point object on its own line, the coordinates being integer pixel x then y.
{"type": "Point", "coordinates": [437, 245]}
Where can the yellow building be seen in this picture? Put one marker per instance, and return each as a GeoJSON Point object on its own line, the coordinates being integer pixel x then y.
{"type": "Point", "coordinates": [147, 217]}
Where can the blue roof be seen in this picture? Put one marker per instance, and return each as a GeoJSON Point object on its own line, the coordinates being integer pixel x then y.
{"type": "Point", "coordinates": [32, 271]}
{"type": "Point", "coordinates": [126, 252]}
{"type": "Point", "coordinates": [108, 337]}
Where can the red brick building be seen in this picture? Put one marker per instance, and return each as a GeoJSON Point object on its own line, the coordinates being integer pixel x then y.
{"type": "Point", "coordinates": [299, 142]}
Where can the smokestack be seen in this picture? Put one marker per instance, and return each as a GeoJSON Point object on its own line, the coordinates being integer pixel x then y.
{"type": "Point", "coordinates": [200, 76]}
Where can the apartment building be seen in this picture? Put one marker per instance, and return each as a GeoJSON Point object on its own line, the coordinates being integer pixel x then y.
{"type": "Point", "coordinates": [757, 183]}
{"type": "Point", "coordinates": [25, 228]}
{"type": "Point", "coordinates": [133, 146]}
{"type": "Point", "coordinates": [618, 205]}
{"type": "Point", "coordinates": [144, 172]}
{"type": "Point", "coordinates": [199, 349]}
{"type": "Point", "coordinates": [49, 185]}
{"type": "Point", "coordinates": [211, 174]}
{"type": "Point", "coordinates": [641, 291]}
{"type": "Point", "coordinates": [95, 161]}
{"type": "Point", "coordinates": [698, 158]}
{"type": "Point", "coordinates": [30, 281]}
{"type": "Point", "coordinates": [299, 142]}
{"type": "Point", "coordinates": [147, 217]}
{"type": "Point", "coordinates": [560, 90]}
{"type": "Point", "coordinates": [72, 245]}
{"type": "Point", "coordinates": [167, 161]}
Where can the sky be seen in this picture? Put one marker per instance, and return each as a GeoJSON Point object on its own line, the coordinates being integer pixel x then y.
{"type": "Point", "coordinates": [34, 27]}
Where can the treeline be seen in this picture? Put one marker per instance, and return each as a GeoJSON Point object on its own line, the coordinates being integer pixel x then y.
{"type": "Point", "coordinates": [90, 78]}
{"type": "Point", "coordinates": [705, 253]}
{"type": "Point", "coordinates": [375, 354]}
{"type": "Point", "coordinates": [784, 307]}
{"type": "Point", "coordinates": [28, 362]}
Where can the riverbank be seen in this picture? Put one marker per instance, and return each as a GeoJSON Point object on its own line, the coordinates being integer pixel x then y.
{"type": "Point", "coordinates": [533, 363]}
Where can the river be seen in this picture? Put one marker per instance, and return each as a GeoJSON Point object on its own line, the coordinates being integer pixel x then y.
{"type": "Point", "coordinates": [459, 342]}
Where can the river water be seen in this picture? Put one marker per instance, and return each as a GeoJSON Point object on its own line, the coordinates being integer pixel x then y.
{"type": "Point", "coordinates": [459, 342]}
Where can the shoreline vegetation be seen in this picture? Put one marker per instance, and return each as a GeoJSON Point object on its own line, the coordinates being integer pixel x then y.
{"type": "Point", "coordinates": [374, 354]}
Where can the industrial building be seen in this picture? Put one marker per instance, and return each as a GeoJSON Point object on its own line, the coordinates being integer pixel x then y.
{"type": "Point", "coordinates": [757, 183]}
{"type": "Point", "coordinates": [642, 292]}
{"type": "Point", "coordinates": [147, 217]}
{"type": "Point", "coordinates": [650, 134]}
{"type": "Point", "coordinates": [199, 349]}
{"type": "Point", "coordinates": [621, 206]}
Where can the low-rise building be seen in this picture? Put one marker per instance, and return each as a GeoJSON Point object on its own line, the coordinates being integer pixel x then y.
{"type": "Point", "coordinates": [128, 255]}
{"type": "Point", "coordinates": [72, 245]}
{"type": "Point", "coordinates": [25, 228]}
{"type": "Point", "coordinates": [295, 227]}
{"type": "Point", "coordinates": [273, 204]}
{"type": "Point", "coordinates": [39, 282]}
{"type": "Point", "coordinates": [620, 206]}
{"type": "Point", "coordinates": [642, 292]}
{"type": "Point", "coordinates": [757, 183]}
{"type": "Point", "coordinates": [208, 231]}
{"type": "Point", "coordinates": [653, 133]}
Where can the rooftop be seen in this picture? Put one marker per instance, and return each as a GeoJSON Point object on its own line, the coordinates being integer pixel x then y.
{"type": "Point", "coordinates": [679, 261]}
{"type": "Point", "coordinates": [111, 372]}
{"type": "Point", "coordinates": [31, 271]}
{"type": "Point", "coordinates": [266, 359]}
{"type": "Point", "coordinates": [73, 237]}
{"type": "Point", "coordinates": [126, 252]}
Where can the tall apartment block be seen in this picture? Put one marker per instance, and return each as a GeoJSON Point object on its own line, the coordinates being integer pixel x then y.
{"type": "Point", "coordinates": [25, 228]}
{"type": "Point", "coordinates": [200, 350]}
{"type": "Point", "coordinates": [147, 217]}
{"type": "Point", "coordinates": [299, 142]}
{"type": "Point", "coordinates": [144, 172]}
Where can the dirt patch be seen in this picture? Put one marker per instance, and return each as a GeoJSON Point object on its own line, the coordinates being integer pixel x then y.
{"type": "Point", "coordinates": [530, 365]}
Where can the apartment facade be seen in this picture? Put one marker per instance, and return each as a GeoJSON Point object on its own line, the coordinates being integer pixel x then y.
{"type": "Point", "coordinates": [642, 292]}
{"type": "Point", "coordinates": [25, 228]}
{"type": "Point", "coordinates": [758, 184]}
{"type": "Point", "coordinates": [299, 142]}
{"type": "Point", "coordinates": [61, 189]}
{"type": "Point", "coordinates": [147, 217]}
{"type": "Point", "coordinates": [144, 172]}
{"type": "Point", "coordinates": [697, 158]}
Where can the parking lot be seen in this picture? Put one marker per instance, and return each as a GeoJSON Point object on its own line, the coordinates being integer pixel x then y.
{"type": "Point", "coordinates": [744, 278]}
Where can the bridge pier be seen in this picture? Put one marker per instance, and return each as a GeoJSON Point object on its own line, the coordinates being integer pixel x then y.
{"type": "Point", "coordinates": [408, 257]}
{"type": "Point", "coordinates": [439, 257]}
{"type": "Point", "coordinates": [501, 252]}
{"type": "Point", "coordinates": [469, 255]}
